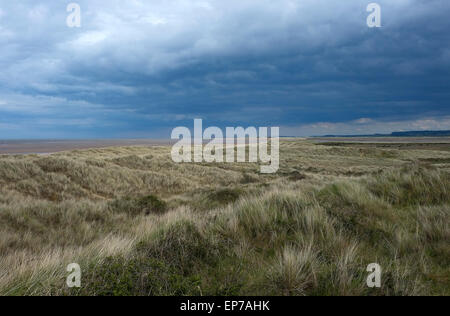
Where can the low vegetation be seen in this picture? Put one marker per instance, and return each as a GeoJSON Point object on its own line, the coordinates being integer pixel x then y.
{"type": "Point", "coordinates": [139, 224]}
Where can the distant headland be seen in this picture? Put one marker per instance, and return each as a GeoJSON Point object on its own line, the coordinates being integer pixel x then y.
{"type": "Point", "coordinates": [399, 134]}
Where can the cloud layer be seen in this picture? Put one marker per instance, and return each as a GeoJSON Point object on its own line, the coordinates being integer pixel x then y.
{"type": "Point", "coordinates": [139, 68]}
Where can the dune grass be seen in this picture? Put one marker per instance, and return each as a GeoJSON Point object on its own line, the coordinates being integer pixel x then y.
{"type": "Point", "coordinates": [139, 224]}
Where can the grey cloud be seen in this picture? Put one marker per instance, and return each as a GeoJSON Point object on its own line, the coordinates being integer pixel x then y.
{"type": "Point", "coordinates": [301, 61]}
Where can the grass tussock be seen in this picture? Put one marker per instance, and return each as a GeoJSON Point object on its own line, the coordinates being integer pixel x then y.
{"type": "Point", "coordinates": [138, 224]}
{"type": "Point", "coordinates": [147, 205]}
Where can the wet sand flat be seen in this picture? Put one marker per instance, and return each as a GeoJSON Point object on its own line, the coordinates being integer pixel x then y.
{"type": "Point", "coordinates": [8, 147]}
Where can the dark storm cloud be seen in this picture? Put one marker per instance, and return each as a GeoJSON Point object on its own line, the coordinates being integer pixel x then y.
{"type": "Point", "coordinates": [137, 68]}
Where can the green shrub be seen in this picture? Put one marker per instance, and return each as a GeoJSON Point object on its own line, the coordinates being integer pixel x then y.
{"type": "Point", "coordinates": [249, 178]}
{"type": "Point", "coordinates": [139, 276]}
{"type": "Point", "coordinates": [147, 205]}
{"type": "Point", "coordinates": [182, 246]}
{"type": "Point", "coordinates": [152, 205]}
{"type": "Point", "coordinates": [296, 176]}
{"type": "Point", "coordinates": [225, 196]}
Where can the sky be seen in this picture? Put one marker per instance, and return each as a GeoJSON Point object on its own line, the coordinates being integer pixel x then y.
{"type": "Point", "coordinates": [138, 69]}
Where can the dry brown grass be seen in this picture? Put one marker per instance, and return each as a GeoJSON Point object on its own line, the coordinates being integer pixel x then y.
{"type": "Point", "coordinates": [310, 229]}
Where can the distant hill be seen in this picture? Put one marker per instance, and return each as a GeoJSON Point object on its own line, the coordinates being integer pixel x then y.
{"type": "Point", "coordinates": [399, 134]}
{"type": "Point", "coordinates": [421, 134]}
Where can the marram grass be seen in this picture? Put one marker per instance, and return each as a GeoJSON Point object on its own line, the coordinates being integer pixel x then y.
{"type": "Point", "coordinates": [140, 224]}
